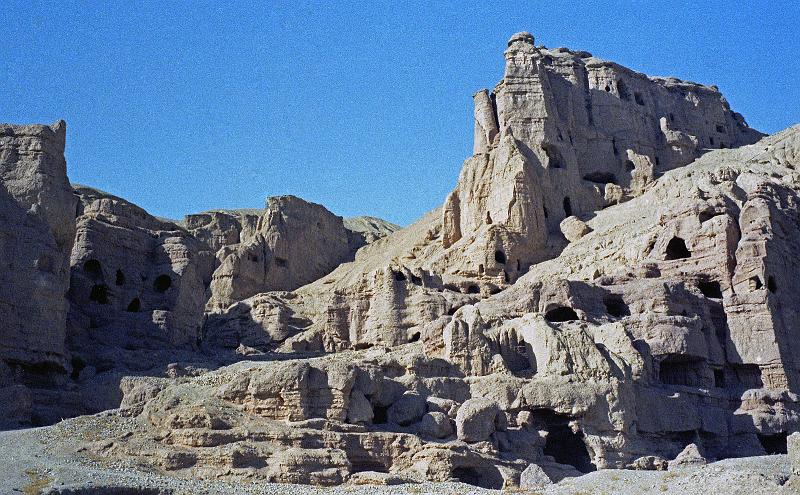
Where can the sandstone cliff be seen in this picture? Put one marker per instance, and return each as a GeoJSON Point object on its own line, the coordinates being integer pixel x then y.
{"type": "Point", "coordinates": [609, 285]}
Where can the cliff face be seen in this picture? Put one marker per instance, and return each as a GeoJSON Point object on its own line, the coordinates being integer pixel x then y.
{"type": "Point", "coordinates": [611, 283]}
{"type": "Point", "coordinates": [565, 133]}
{"type": "Point", "coordinates": [36, 213]}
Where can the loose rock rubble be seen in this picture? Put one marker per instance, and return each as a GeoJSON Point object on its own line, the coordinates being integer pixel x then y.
{"type": "Point", "coordinates": [609, 287]}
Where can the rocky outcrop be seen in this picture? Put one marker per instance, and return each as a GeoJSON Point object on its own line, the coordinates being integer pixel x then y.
{"type": "Point", "coordinates": [294, 243]}
{"type": "Point", "coordinates": [565, 133]}
{"type": "Point", "coordinates": [37, 223]}
{"type": "Point", "coordinates": [136, 281]}
{"type": "Point", "coordinates": [604, 288]}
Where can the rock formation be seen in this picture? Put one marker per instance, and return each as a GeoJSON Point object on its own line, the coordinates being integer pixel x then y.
{"type": "Point", "coordinates": [609, 285]}
{"type": "Point", "coordinates": [136, 283]}
{"type": "Point", "coordinates": [37, 205]}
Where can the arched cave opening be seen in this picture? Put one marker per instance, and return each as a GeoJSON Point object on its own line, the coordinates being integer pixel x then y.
{"type": "Point", "coordinates": [94, 269]}
{"type": "Point", "coordinates": [399, 276]}
{"type": "Point", "coordinates": [414, 337]}
{"type": "Point", "coordinates": [755, 283]}
{"type": "Point", "coordinates": [638, 97]}
{"type": "Point", "coordinates": [134, 306]}
{"type": "Point", "coordinates": [99, 294]}
{"type": "Point", "coordinates": [561, 314]}
{"type": "Point", "coordinates": [120, 277]}
{"type": "Point", "coordinates": [473, 289]}
{"type": "Point", "coordinates": [677, 250]}
{"type": "Point", "coordinates": [500, 257]}
{"type": "Point", "coordinates": [629, 165]}
{"type": "Point", "coordinates": [162, 283]}
{"type": "Point", "coordinates": [567, 207]}
{"type": "Point", "coordinates": [774, 444]}
{"type": "Point", "coordinates": [565, 445]}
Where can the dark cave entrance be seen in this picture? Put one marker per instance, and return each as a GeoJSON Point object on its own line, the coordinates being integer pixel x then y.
{"type": "Point", "coordinates": [380, 415]}
{"type": "Point", "coordinates": [162, 283]}
{"type": "Point", "coordinates": [566, 446]}
{"type": "Point", "coordinates": [134, 306]}
{"type": "Point", "coordinates": [774, 444]}
{"type": "Point", "coordinates": [677, 250]}
{"type": "Point", "coordinates": [484, 477]}
{"type": "Point", "coordinates": [560, 314]}
{"type": "Point", "coordinates": [567, 207]}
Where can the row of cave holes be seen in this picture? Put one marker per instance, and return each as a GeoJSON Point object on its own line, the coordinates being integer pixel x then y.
{"type": "Point", "coordinates": [99, 291]}
{"type": "Point", "coordinates": [499, 257]}
{"type": "Point", "coordinates": [676, 250]}
{"type": "Point", "coordinates": [624, 94]}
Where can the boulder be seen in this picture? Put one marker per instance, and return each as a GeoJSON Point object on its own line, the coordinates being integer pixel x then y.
{"type": "Point", "coordinates": [436, 425]}
{"type": "Point", "coordinates": [690, 457]}
{"type": "Point", "coordinates": [574, 228]}
{"type": "Point", "coordinates": [534, 478]}
{"type": "Point", "coordinates": [407, 410]}
{"type": "Point", "coordinates": [477, 419]}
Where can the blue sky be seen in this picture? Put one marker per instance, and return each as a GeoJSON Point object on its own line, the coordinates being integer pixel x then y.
{"type": "Point", "coordinates": [364, 107]}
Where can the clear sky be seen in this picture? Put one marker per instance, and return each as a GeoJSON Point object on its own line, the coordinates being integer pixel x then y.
{"type": "Point", "coordinates": [364, 107]}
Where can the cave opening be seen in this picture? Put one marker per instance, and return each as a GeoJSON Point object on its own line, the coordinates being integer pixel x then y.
{"type": "Point", "coordinates": [677, 250]}
{"type": "Point", "coordinates": [500, 257]}
{"type": "Point", "coordinates": [771, 285]}
{"type": "Point", "coordinates": [77, 366]}
{"type": "Point", "coordinates": [162, 283]}
{"type": "Point", "coordinates": [554, 158]}
{"type": "Point", "coordinates": [414, 337]}
{"type": "Point", "coordinates": [564, 444]}
{"type": "Point", "coordinates": [400, 276]}
{"type": "Point", "coordinates": [678, 370]}
{"type": "Point", "coordinates": [473, 289]}
{"type": "Point", "coordinates": [94, 269]}
{"type": "Point", "coordinates": [567, 207]}
{"type": "Point", "coordinates": [120, 277]}
{"type": "Point", "coordinates": [561, 314]}
{"type": "Point", "coordinates": [774, 443]}
{"type": "Point", "coordinates": [488, 477]}
{"type": "Point", "coordinates": [601, 177]}
{"type": "Point", "coordinates": [380, 415]}
{"type": "Point", "coordinates": [711, 289]}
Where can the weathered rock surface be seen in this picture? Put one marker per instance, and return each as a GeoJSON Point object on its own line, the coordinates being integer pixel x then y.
{"type": "Point", "coordinates": [294, 242]}
{"type": "Point", "coordinates": [610, 284]}
{"type": "Point", "coordinates": [37, 229]}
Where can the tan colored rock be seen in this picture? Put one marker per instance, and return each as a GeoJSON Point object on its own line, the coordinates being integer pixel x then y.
{"type": "Point", "coordinates": [294, 243]}
{"type": "Point", "coordinates": [38, 227]}
{"type": "Point", "coordinates": [573, 228]}
{"type": "Point", "coordinates": [136, 281]}
{"type": "Point", "coordinates": [477, 419]}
